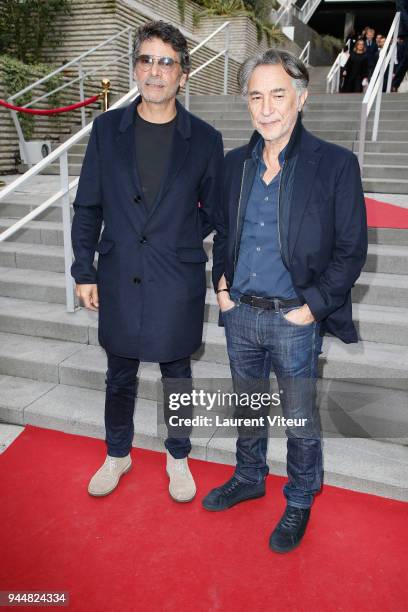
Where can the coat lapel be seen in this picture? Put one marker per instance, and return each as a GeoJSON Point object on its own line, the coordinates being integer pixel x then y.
{"type": "Point", "coordinates": [127, 145]}
{"type": "Point", "coordinates": [304, 176]}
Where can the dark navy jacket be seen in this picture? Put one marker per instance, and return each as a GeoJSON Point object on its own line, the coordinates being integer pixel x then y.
{"type": "Point", "coordinates": [322, 224]}
{"type": "Point", "coordinates": [151, 266]}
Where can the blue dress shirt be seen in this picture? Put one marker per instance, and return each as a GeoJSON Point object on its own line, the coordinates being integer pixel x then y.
{"type": "Point", "coordinates": [260, 270]}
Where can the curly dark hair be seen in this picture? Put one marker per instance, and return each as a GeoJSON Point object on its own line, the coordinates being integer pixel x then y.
{"type": "Point", "coordinates": [168, 34]}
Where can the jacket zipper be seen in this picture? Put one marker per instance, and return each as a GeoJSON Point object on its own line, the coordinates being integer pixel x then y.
{"type": "Point", "coordinates": [279, 193]}
{"type": "Point", "coordinates": [239, 208]}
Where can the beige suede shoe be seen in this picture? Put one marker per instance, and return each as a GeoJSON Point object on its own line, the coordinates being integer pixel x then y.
{"type": "Point", "coordinates": [106, 479]}
{"type": "Point", "coordinates": [182, 487]}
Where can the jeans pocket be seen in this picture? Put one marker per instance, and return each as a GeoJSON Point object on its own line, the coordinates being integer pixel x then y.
{"type": "Point", "coordinates": [229, 310]}
{"type": "Point", "coordinates": [284, 311]}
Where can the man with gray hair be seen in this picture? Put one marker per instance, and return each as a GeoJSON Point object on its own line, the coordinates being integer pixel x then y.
{"type": "Point", "coordinates": [291, 241]}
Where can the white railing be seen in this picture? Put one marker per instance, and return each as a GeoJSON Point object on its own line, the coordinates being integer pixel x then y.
{"type": "Point", "coordinates": [284, 10]}
{"type": "Point", "coordinates": [80, 79]}
{"type": "Point", "coordinates": [61, 153]}
{"type": "Point", "coordinates": [225, 52]}
{"type": "Point", "coordinates": [333, 77]}
{"type": "Point", "coordinates": [289, 8]}
{"type": "Point", "coordinates": [375, 88]}
{"type": "Point", "coordinates": [307, 10]}
{"type": "Point", "coordinates": [305, 55]}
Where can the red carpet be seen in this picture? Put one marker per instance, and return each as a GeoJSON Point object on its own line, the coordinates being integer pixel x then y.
{"type": "Point", "coordinates": [380, 214]}
{"type": "Point", "coordinates": [137, 550]}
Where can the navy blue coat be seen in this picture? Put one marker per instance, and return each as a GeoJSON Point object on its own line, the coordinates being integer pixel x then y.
{"type": "Point", "coordinates": [322, 224]}
{"type": "Point", "coordinates": [151, 265]}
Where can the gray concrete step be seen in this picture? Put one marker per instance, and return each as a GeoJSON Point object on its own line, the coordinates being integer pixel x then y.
{"type": "Point", "coordinates": [35, 232]}
{"type": "Point", "coordinates": [387, 364]}
{"type": "Point", "coordinates": [360, 464]}
{"type": "Point", "coordinates": [45, 286]}
{"type": "Point", "coordinates": [387, 250]}
{"type": "Point", "coordinates": [20, 315]}
{"type": "Point", "coordinates": [314, 123]}
{"type": "Point", "coordinates": [388, 159]}
{"type": "Point", "coordinates": [310, 113]}
{"type": "Point", "coordinates": [385, 185]}
{"type": "Point", "coordinates": [383, 170]}
{"type": "Point", "coordinates": [16, 207]}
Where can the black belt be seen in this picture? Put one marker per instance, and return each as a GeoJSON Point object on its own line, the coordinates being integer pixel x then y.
{"type": "Point", "coordinates": [269, 303]}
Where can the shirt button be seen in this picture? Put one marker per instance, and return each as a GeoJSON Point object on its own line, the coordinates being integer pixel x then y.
{"type": "Point", "coordinates": [266, 199]}
{"type": "Point", "coordinates": [258, 248]}
{"type": "Point", "coordinates": [137, 280]}
{"type": "Point", "coordinates": [143, 240]}
{"type": "Point", "coordinates": [253, 273]}
{"type": "Point", "coordinates": [262, 224]}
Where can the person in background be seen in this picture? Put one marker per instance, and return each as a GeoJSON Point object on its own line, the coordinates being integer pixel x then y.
{"type": "Point", "coordinates": [371, 51]}
{"type": "Point", "coordinates": [355, 71]}
{"type": "Point", "coordinates": [402, 49]}
{"type": "Point", "coordinates": [351, 39]}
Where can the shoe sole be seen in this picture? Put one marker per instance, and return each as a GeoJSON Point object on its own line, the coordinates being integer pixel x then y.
{"type": "Point", "coordinates": [113, 488]}
{"type": "Point", "coordinates": [234, 504]}
{"type": "Point", "coordinates": [282, 551]}
{"type": "Point", "coordinates": [181, 501]}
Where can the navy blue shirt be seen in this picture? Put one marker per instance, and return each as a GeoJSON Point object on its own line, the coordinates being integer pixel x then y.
{"type": "Point", "coordinates": [260, 270]}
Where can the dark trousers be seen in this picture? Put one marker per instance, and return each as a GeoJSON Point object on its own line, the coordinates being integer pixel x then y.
{"type": "Point", "coordinates": [121, 384]}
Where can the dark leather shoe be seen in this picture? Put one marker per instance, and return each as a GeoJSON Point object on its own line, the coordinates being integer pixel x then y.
{"type": "Point", "coordinates": [290, 529]}
{"type": "Point", "coordinates": [231, 493]}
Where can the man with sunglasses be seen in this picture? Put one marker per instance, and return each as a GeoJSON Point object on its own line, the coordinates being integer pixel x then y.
{"type": "Point", "coordinates": [151, 175]}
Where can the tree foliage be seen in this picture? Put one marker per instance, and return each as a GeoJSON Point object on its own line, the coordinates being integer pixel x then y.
{"type": "Point", "coordinates": [27, 26]}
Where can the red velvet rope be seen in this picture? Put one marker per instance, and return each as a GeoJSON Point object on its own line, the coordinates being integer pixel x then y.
{"type": "Point", "coordinates": [51, 111]}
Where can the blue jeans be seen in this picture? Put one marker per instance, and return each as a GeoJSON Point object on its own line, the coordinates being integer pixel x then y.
{"type": "Point", "coordinates": [258, 341]}
{"type": "Point", "coordinates": [121, 383]}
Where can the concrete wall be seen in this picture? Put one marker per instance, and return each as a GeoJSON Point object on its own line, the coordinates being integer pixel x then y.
{"type": "Point", "coordinates": [320, 55]}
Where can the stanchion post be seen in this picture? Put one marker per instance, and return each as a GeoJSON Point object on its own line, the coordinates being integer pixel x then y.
{"type": "Point", "coordinates": [105, 94]}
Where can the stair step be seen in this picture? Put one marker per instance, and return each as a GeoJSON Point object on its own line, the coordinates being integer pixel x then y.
{"type": "Point", "coordinates": [386, 364]}
{"type": "Point", "coordinates": [38, 232]}
{"type": "Point", "coordinates": [21, 315]}
{"type": "Point", "coordinates": [364, 465]}
{"type": "Point", "coordinates": [45, 286]}
{"type": "Point", "coordinates": [379, 171]}
{"type": "Point", "coordinates": [385, 185]}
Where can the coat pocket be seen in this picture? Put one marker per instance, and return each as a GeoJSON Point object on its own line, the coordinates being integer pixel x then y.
{"type": "Point", "coordinates": [192, 254]}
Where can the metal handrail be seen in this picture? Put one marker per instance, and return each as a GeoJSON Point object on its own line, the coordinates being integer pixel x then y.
{"type": "Point", "coordinates": [224, 52]}
{"type": "Point", "coordinates": [84, 76]}
{"type": "Point", "coordinates": [79, 79]}
{"type": "Point", "coordinates": [305, 54]}
{"type": "Point", "coordinates": [307, 10]}
{"type": "Point", "coordinates": [61, 153]}
{"type": "Point", "coordinates": [374, 90]}
{"type": "Point", "coordinates": [333, 77]}
{"type": "Point", "coordinates": [205, 41]}
{"type": "Point", "coordinates": [67, 65]}
{"type": "Point", "coordinates": [284, 8]}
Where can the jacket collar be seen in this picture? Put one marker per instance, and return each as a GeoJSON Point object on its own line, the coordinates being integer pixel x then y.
{"type": "Point", "coordinates": [183, 122]}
